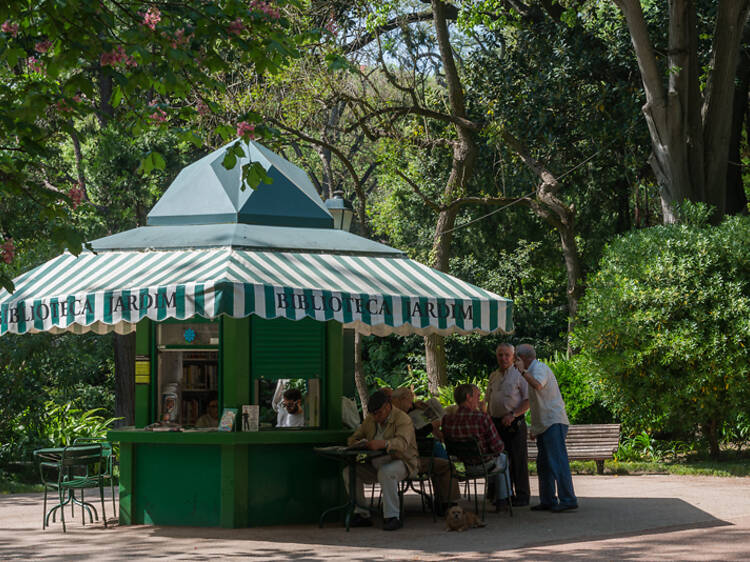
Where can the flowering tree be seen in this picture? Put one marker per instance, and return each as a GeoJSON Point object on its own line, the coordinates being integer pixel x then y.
{"type": "Point", "coordinates": [66, 66]}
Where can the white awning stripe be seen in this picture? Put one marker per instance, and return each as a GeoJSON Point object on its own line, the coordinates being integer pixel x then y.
{"type": "Point", "coordinates": [114, 290]}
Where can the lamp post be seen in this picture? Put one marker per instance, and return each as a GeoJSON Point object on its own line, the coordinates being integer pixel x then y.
{"type": "Point", "coordinates": [341, 210]}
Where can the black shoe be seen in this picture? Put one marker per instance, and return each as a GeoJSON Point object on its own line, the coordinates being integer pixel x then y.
{"type": "Point", "coordinates": [541, 507]}
{"type": "Point", "coordinates": [518, 502]}
{"type": "Point", "coordinates": [358, 520]}
{"type": "Point", "coordinates": [560, 507]}
{"type": "Point", "coordinates": [392, 523]}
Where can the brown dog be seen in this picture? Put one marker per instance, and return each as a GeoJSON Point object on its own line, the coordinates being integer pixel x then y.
{"type": "Point", "coordinates": [456, 519]}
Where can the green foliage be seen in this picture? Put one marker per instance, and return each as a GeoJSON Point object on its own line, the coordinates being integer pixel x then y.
{"type": "Point", "coordinates": [62, 424]}
{"type": "Point", "coordinates": [580, 391]}
{"type": "Point", "coordinates": [66, 66]}
{"type": "Point", "coordinates": [643, 447]}
{"type": "Point", "coordinates": [39, 371]}
{"type": "Point", "coordinates": [665, 327]}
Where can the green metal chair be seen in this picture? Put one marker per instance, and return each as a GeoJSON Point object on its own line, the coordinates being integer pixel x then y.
{"type": "Point", "coordinates": [76, 468]}
{"type": "Point", "coordinates": [110, 461]}
{"type": "Point", "coordinates": [468, 464]}
{"type": "Point", "coordinates": [426, 448]}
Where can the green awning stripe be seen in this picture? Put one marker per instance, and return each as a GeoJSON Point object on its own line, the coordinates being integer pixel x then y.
{"type": "Point", "coordinates": [90, 308]}
{"type": "Point", "coordinates": [181, 284]}
{"type": "Point", "coordinates": [389, 310]}
{"type": "Point", "coordinates": [180, 298]}
{"type": "Point", "coordinates": [493, 316]}
{"type": "Point", "coordinates": [270, 299]}
{"type": "Point", "coordinates": [477, 320]}
{"type": "Point", "coordinates": [292, 272]}
{"type": "Point", "coordinates": [361, 276]}
{"type": "Point", "coordinates": [199, 300]}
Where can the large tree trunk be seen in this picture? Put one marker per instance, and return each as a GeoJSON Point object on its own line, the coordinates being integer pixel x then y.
{"type": "Point", "coordinates": [736, 200]}
{"type": "Point", "coordinates": [124, 347]}
{"type": "Point", "coordinates": [689, 133]}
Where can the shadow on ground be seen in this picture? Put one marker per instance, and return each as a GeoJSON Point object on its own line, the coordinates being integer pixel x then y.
{"type": "Point", "coordinates": [640, 522]}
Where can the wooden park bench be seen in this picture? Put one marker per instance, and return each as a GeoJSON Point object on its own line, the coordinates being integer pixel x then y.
{"type": "Point", "coordinates": [597, 442]}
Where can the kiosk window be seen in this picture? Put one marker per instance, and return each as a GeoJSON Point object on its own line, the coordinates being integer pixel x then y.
{"type": "Point", "coordinates": [288, 403]}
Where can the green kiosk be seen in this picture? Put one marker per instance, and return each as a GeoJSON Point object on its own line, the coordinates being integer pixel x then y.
{"type": "Point", "coordinates": [236, 296]}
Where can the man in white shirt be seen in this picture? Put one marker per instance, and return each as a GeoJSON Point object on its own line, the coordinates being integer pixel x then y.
{"type": "Point", "coordinates": [289, 412]}
{"type": "Point", "coordinates": [507, 397]}
{"type": "Point", "coordinates": [549, 423]}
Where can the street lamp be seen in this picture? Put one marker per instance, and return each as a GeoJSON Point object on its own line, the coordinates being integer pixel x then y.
{"type": "Point", "coordinates": [341, 210]}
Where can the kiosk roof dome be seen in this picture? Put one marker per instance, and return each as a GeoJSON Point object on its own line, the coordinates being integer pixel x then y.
{"type": "Point", "coordinates": [205, 192]}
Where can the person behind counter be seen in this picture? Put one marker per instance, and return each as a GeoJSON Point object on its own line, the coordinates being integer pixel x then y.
{"type": "Point", "coordinates": [290, 413]}
{"type": "Point", "coordinates": [211, 417]}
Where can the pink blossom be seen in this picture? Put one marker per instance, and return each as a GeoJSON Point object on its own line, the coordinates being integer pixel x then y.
{"type": "Point", "coordinates": [8, 250]}
{"type": "Point", "coordinates": [152, 17]}
{"type": "Point", "coordinates": [246, 129]}
{"type": "Point", "coordinates": [202, 108]}
{"type": "Point", "coordinates": [63, 107]}
{"type": "Point", "coordinates": [34, 65]}
{"type": "Point", "coordinates": [159, 115]}
{"type": "Point", "coordinates": [266, 8]}
{"type": "Point", "coordinates": [11, 28]}
{"type": "Point", "coordinates": [179, 38]}
{"type": "Point", "coordinates": [236, 27]}
{"type": "Point", "coordinates": [76, 195]}
{"type": "Point", "coordinates": [117, 57]}
{"type": "Point", "coordinates": [43, 46]}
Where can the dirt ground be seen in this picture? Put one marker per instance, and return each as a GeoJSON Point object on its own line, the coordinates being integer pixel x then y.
{"type": "Point", "coordinates": [620, 518]}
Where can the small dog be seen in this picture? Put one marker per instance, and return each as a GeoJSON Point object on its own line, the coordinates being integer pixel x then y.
{"type": "Point", "coordinates": [456, 519]}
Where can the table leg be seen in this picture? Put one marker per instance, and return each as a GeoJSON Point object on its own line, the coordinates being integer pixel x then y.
{"type": "Point", "coordinates": [350, 504]}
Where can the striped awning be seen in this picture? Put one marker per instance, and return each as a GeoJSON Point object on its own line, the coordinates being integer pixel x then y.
{"type": "Point", "coordinates": [112, 291]}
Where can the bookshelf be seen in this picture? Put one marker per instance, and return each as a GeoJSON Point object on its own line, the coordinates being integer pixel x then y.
{"type": "Point", "coordinates": [199, 383]}
{"type": "Point", "coordinates": [188, 370]}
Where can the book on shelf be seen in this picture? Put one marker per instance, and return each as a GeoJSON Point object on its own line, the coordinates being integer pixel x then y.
{"type": "Point", "coordinates": [226, 423]}
{"type": "Point", "coordinates": [250, 417]}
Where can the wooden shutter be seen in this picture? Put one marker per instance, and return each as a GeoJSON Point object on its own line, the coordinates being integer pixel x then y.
{"type": "Point", "coordinates": [287, 349]}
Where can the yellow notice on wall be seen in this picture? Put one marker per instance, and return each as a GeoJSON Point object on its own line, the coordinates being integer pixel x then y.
{"type": "Point", "coordinates": [142, 372]}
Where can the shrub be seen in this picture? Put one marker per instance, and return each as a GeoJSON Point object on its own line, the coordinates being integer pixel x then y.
{"type": "Point", "coordinates": [580, 390]}
{"type": "Point", "coordinates": [665, 327]}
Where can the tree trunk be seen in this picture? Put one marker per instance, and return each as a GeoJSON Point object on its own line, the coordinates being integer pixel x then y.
{"type": "Point", "coordinates": [124, 347]}
{"type": "Point", "coordinates": [359, 374]}
{"type": "Point", "coordinates": [710, 432]}
{"type": "Point", "coordinates": [689, 133]}
{"type": "Point", "coordinates": [736, 200]}
{"type": "Point", "coordinates": [434, 347]}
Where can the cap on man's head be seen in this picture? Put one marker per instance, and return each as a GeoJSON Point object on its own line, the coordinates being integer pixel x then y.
{"type": "Point", "coordinates": [376, 401]}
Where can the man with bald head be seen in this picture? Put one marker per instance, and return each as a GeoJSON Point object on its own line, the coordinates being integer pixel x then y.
{"type": "Point", "coordinates": [507, 398]}
{"type": "Point", "coordinates": [549, 424]}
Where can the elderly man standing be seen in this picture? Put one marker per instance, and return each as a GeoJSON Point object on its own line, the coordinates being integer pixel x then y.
{"type": "Point", "coordinates": [470, 422]}
{"type": "Point", "coordinates": [549, 423]}
{"type": "Point", "coordinates": [388, 429]}
{"type": "Point", "coordinates": [507, 397]}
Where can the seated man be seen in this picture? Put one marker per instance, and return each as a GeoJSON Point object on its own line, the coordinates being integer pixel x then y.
{"type": "Point", "coordinates": [403, 399]}
{"type": "Point", "coordinates": [469, 421]}
{"type": "Point", "coordinates": [389, 429]}
{"type": "Point", "coordinates": [290, 413]}
{"type": "Point", "coordinates": [211, 417]}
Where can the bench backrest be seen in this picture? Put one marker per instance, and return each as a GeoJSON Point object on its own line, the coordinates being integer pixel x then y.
{"type": "Point", "coordinates": [588, 442]}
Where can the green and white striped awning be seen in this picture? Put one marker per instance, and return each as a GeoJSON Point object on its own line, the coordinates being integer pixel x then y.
{"type": "Point", "coordinates": [112, 291]}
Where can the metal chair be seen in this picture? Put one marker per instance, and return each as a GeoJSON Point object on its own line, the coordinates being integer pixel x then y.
{"type": "Point", "coordinates": [468, 464]}
{"type": "Point", "coordinates": [110, 461]}
{"type": "Point", "coordinates": [426, 448]}
{"type": "Point", "coordinates": [75, 468]}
